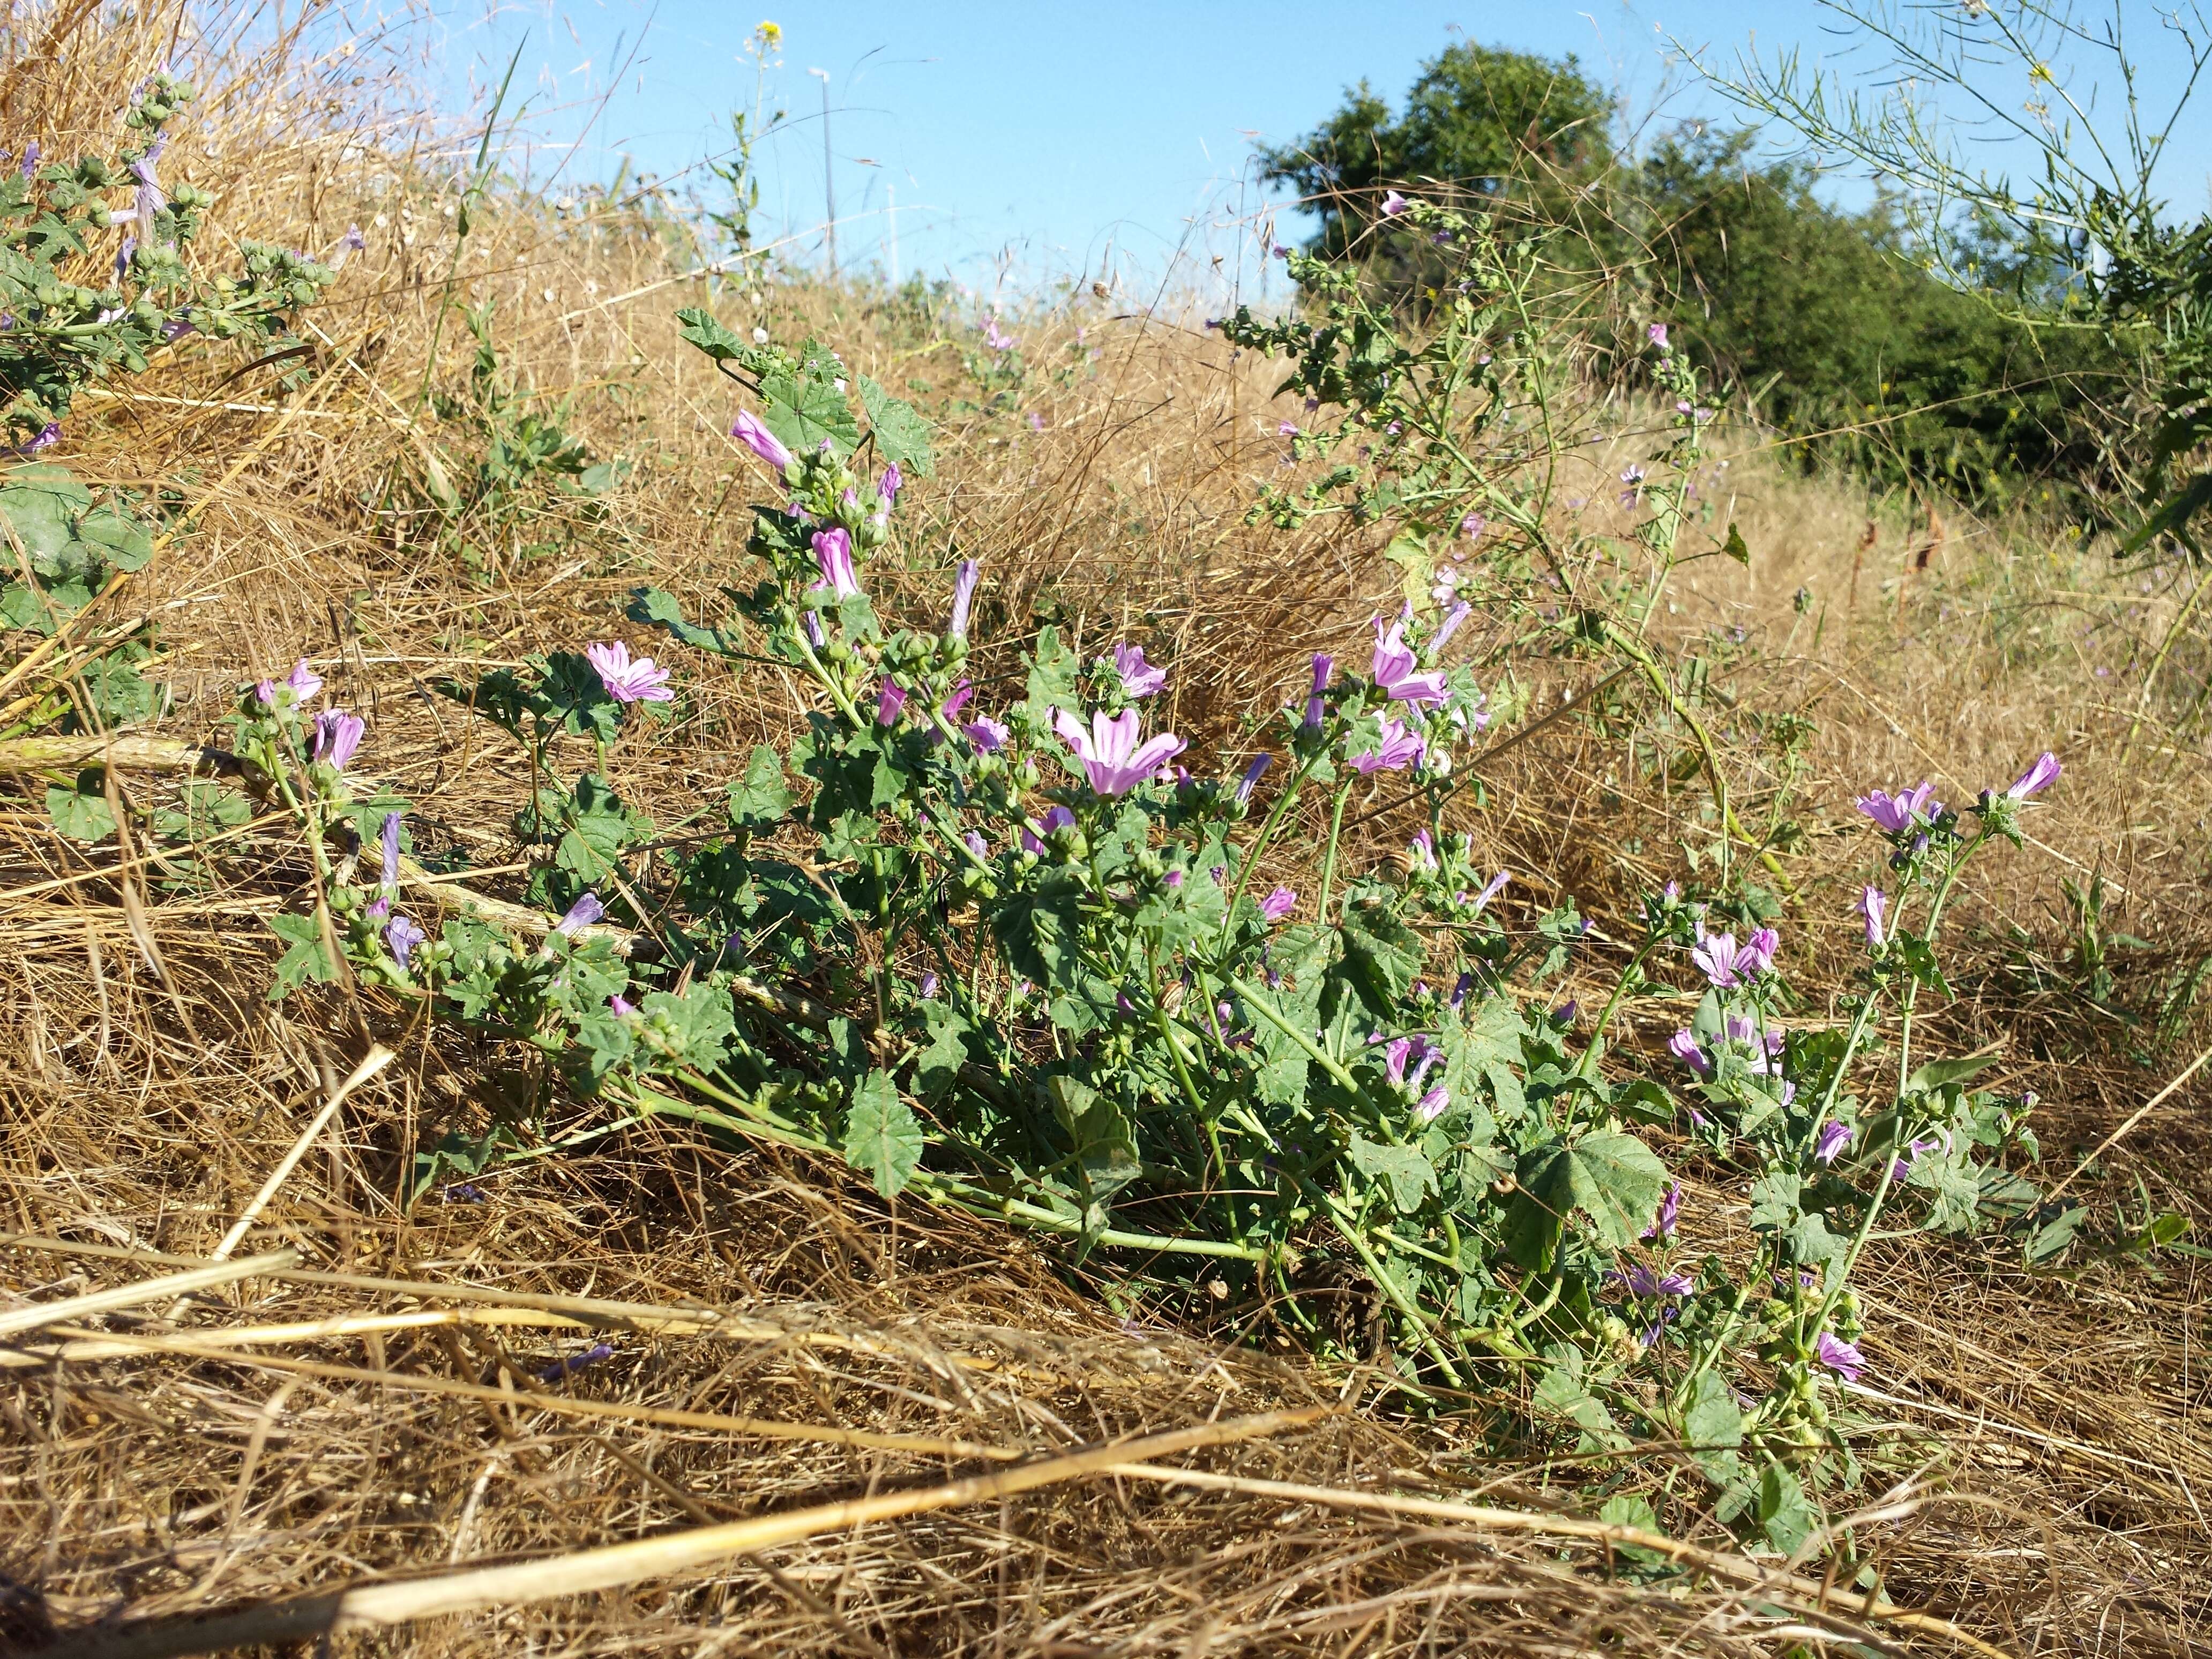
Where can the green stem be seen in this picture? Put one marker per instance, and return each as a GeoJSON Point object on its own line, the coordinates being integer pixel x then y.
{"type": "Point", "coordinates": [1329, 865]}
{"type": "Point", "coordinates": [1612, 1003]}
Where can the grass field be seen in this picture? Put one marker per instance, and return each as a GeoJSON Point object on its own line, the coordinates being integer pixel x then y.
{"type": "Point", "coordinates": [659, 1331]}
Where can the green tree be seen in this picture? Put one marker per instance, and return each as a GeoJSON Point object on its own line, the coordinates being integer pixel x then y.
{"type": "Point", "coordinates": [1491, 123]}
{"type": "Point", "coordinates": [1826, 324]}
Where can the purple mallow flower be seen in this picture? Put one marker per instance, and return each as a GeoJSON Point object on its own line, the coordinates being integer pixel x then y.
{"type": "Point", "coordinates": [1253, 774]}
{"type": "Point", "coordinates": [1742, 1028]}
{"type": "Point", "coordinates": [303, 683]}
{"type": "Point", "coordinates": [1840, 1357]}
{"type": "Point", "coordinates": [561, 1368]}
{"type": "Point", "coordinates": [1657, 335]}
{"type": "Point", "coordinates": [1323, 666]}
{"type": "Point", "coordinates": [1113, 759]}
{"type": "Point", "coordinates": [1490, 889]}
{"type": "Point", "coordinates": [401, 936]}
{"type": "Point", "coordinates": [958, 699]}
{"type": "Point", "coordinates": [337, 734]}
{"type": "Point", "coordinates": [1834, 1137]}
{"type": "Point", "coordinates": [1644, 1280]}
{"type": "Point", "coordinates": [626, 681]}
{"type": "Point", "coordinates": [1449, 626]}
{"type": "Point", "coordinates": [1398, 748]}
{"type": "Point", "coordinates": [1896, 814]}
{"type": "Point", "coordinates": [2041, 775]}
{"type": "Point", "coordinates": [1033, 841]}
{"type": "Point", "coordinates": [887, 486]}
{"type": "Point", "coordinates": [1138, 677]}
{"type": "Point", "coordinates": [963, 596]}
{"type": "Point", "coordinates": [1670, 1213]}
{"type": "Point", "coordinates": [1278, 904]}
{"type": "Point", "coordinates": [582, 914]}
{"type": "Point", "coordinates": [31, 154]}
{"type": "Point", "coordinates": [1432, 1105]}
{"type": "Point", "coordinates": [388, 840]}
{"type": "Point", "coordinates": [1874, 904]}
{"type": "Point", "coordinates": [995, 337]}
{"type": "Point", "coordinates": [1683, 1045]}
{"type": "Point", "coordinates": [1416, 1051]}
{"type": "Point", "coordinates": [890, 702]}
{"type": "Point", "coordinates": [1394, 669]}
{"type": "Point", "coordinates": [833, 553]}
{"type": "Point", "coordinates": [1394, 204]}
{"type": "Point", "coordinates": [928, 986]}
{"type": "Point", "coordinates": [986, 733]}
{"type": "Point", "coordinates": [1727, 966]}
{"type": "Point", "coordinates": [620, 1006]}
{"type": "Point", "coordinates": [754, 436]}
{"type": "Point", "coordinates": [1422, 848]}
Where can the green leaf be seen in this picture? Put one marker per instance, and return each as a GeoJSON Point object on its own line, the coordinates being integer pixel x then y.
{"type": "Point", "coordinates": [121, 538]}
{"type": "Point", "coordinates": [937, 1067]}
{"type": "Point", "coordinates": [307, 958]}
{"type": "Point", "coordinates": [882, 1139]}
{"type": "Point", "coordinates": [82, 812]}
{"type": "Point", "coordinates": [1052, 669]}
{"type": "Point", "coordinates": [1775, 1199]}
{"type": "Point", "coordinates": [1612, 1178]}
{"type": "Point", "coordinates": [1634, 1511]}
{"type": "Point", "coordinates": [1713, 1427]}
{"type": "Point", "coordinates": [804, 411]}
{"type": "Point", "coordinates": [1784, 1514]}
{"type": "Point", "coordinates": [1105, 1144]}
{"type": "Point", "coordinates": [1408, 1173]}
{"type": "Point", "coordinates": [1920, 962]}
{"type": "Point", "coordinates": [1041, 929]}
{"type": "Point", "coordinates": [119, 695]}
{"type": "Point", "coordinates": [1561, 1393]}
{"type": "Point", "coordinates": [695, 1028]}
{"type": "Point", "coordinates": [1937, 1072]}
{"type": "Point", "coordinates": [1409, 551]}
{"type": "Point", "coordinates": [902, 435]}
{"type": "Point", "coordinates": [2054, 1236]}
{"type": "Point", "coordinates": [462, 1155]}
{"type": "Point", "coordinates": [203, 807]}
{"type": "Point", "coordinates": [1385, 955]}
{"type": "Point", "coordinates": [657, 609]}
{"type": "Point", "coordinates": [761, 798]}
{"type": "Point", "coordinates": [1734, 549]}
{"type": "Point", "coordinates": [701, 328]}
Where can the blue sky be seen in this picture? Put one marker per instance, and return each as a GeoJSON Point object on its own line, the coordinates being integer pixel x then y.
{"type": "Point", "coordinates": [1026, 139]}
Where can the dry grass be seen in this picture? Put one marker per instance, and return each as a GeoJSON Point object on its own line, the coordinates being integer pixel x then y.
{"type": "Point", "coordinates": [2055, 1437]}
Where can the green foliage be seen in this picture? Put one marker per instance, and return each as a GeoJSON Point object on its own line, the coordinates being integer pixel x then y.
{"type": "Point", "coordinates": [983, 960]}
{"type": "Point", "coordinates": [2103, 251]}
{"type": "Point", "coordinates": [58, 335]}
{"type": "Point", "coordinates": [1828, 323]}
{"type": "Point", "coordinates": [64, 334]}
{"type": "Point", "coordinates": [1490, 123]}
{"type": "Point", "coordinates": [504, 480]}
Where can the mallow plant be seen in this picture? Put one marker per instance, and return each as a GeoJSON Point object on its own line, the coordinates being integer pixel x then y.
{"type": "Point", "coordinates": [94, 284]}
{"type": "Point", "coordinates": [1008, 942]}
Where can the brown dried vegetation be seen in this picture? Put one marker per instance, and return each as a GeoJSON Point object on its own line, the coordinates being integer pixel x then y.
{"type": "Point", "coordinates": [2050, 1435]}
